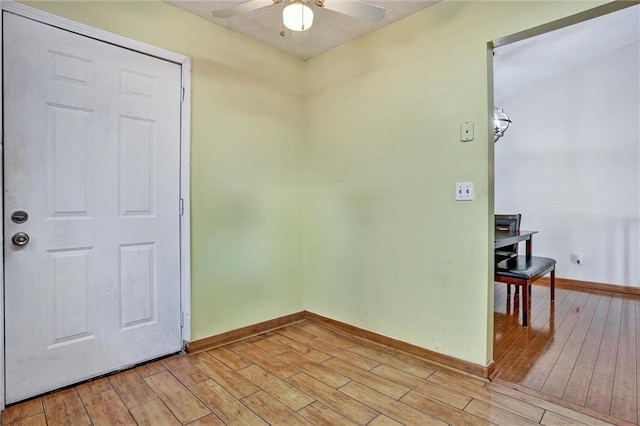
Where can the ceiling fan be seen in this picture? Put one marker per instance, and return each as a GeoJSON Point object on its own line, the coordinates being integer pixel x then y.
{"type": "Point", "coordinates": [297, 16]}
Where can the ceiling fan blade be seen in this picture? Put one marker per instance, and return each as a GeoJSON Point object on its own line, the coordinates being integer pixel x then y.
{"type": "Point", "coordinates": [241, 8]}
{"type": "Point", "coordinates": [367, 12]}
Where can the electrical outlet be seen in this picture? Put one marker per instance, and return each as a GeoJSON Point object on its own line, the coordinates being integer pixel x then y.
{"type": "Point", "coordinates": [464, 191]}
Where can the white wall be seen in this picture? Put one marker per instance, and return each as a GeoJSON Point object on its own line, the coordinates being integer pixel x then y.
{"type": "Point", "coordinates": [570, 164]}
{"type": "Point", "coordinates": [386, 246]}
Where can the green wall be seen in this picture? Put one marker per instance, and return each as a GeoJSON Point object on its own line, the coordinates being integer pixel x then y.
{"type": "Point", "coordinates": [386, 246]}
{"type": "Point", "coordinates": [343, 192]}
{"type": "Point", "coordinates": [247, 150]}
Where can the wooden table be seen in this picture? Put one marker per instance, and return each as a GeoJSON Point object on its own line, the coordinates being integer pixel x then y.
{"type": "Point", "coordinates": [507, 238]}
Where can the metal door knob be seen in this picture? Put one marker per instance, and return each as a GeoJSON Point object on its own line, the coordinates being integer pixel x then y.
{"type": "Point", "coordinates": [19, 216]}
{"type": "Point", "coordinates": [20, 239]}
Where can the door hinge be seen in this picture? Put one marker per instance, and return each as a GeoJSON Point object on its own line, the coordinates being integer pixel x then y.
{"type": "Point", "coordinates": [181, 319]}
{"type": "Point", "coordinates": [181, 206]}
{"type": "Point", "coordinates": [182, 96]}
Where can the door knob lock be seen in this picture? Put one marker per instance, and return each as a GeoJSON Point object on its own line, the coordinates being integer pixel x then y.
{"type": "Point", "coordinates": [19, 216]}
{"type": "Point", "coordinates": [20, 239]}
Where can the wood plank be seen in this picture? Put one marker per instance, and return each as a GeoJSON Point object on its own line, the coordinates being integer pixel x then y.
{"type": "Point", "coordinates": [182, 403]}
{"type": "Point", "coordinates": [552, 419]}
{"type": "Point", "coordinates": [388, 406]}
{"type": "Point", "coordinates": [228, 378]}
{"type": "Point", "coordinates": [224, 405]}
{"type": "Point", "coordinates": [511, 331]}
{"type": "Point", "coordinates": [319, 414]}
{"type": "Point", "coordinates": [441, 411]}
{"type": "Point", "coordinates": [273, 411]}
{"type": "Point", "coordinates": [93, 387]}
{"type": "Point", "coordinates": [577, 387]}
{"type": "Point", "coordinates": [322, 333]}
{"type": "Point", "coordinates": [383, 420]}
{"type": "Point", "coordinates": [496, 415]}
{"type": "Point", "coordinates": [65, 408]}
{"type": "Point", "coordinates": [22, 411]}
{"type": "Point", "coordinates": [558, 378]}
{"type": "Point", "coordinates": [295, 333]}
{"type": "Point", "coordinates": [304, 350]}
{"type": "Point", "coordinates": [105, 408]}
{"type": "Point", "coordinates": [184, 370]}
{"type": "Point", "coordinates": [281, 390]}
{"type": "Point", "coordinates": [525, 352]}
{"type": "Point", "coordinates": [454, 374]}
{"type": "Point", "coordinates": [526, 339]}
{"type": "Point", "coordinates": [624, 400]}
{"type": "Point", "coordinates": [317, 371]}
{"type": "Point", "coordinates": [132, 388]}
{"type": "Point", "coordinates": [602, 312]}
{"type": "Point", "coordinates": [150, 369]}
{"type": "Point", "coordinates": [539, 373]}
{"type": "Point", "coordinates": [483, 394]}
{"type": "Point", "coordinates": [411, 367]}
{"type": "Point", "coordinates": [35, 420]}
{"type": "Point", "coordinates": [374, 381]}
{"type": "Point", "coordinates": [628, 319]}
{"type": "Point", "coordinates": [518, 338]}
{"type": "Point", "coordinates": [210, 420]}
{"type": "Point", "coordinates": [229, 358]}
{"type": "Point", "coordinates": [270, 346]}
{"type": "Point", "coordinates": [601, 387]}
{"type": "Point", "coordinates": [548, 403]}
{"type": "Point", "coordinates": [541, 308]}
{"type": "Point", "coordinates": [338, 401]}
{"type": "Point", "coordinates": [153, 413]}
{"type": "Point", "coordinates": [263, 359]}
{"type": "Point", "coordinates": [431, 390]}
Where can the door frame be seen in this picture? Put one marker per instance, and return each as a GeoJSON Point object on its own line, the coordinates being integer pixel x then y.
{"type": "Point", "coordinates": [557, 24]}
{"type": "Point", "coordinates": [185, 151]}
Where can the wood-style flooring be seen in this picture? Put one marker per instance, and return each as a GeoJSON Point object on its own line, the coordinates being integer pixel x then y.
{"type": "Point", "coordinates": [300, 374]}
{"type": "Point", "coordinates": [583, 349]}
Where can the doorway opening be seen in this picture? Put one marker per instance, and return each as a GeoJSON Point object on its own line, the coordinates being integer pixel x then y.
{"type": "Point", "coordinates": [570, 164]}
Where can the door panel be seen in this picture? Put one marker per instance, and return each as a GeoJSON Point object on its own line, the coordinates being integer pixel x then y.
{"type": "Point", "coordinates": [92, 153]}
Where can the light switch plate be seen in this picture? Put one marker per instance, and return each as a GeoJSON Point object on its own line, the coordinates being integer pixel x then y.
{"type": "Point", "coordinates": [464, 191]}
{"type": "Point", "coordinates": [466, 131]}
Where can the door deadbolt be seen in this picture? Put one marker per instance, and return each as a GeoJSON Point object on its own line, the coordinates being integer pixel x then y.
{"type": "Point", "coordinates": [19, 216]}
{"type": "Point", "coordinates": [20, 239]}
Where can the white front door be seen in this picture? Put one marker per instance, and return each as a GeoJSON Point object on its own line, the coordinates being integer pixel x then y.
{"type": "Point", "coordinates": [92, 155]}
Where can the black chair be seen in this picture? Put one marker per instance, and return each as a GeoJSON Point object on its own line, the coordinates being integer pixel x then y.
{"type": "Point", "coordinates": [522, 271]}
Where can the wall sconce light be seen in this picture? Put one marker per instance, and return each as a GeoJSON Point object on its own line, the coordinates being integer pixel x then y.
{"type": "Point", "coordinates": [297, 16]}
{"type": "Point", "coordinates": [501, 123]}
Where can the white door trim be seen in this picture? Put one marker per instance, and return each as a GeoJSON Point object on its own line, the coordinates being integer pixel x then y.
{"type": "Point", "coordinates": [185, 150]}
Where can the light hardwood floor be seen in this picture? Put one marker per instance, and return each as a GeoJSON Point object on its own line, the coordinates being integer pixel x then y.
{"type": "Point", "coordinates": [583, 348]}
{"type": "Point", "coordinates": [300, 374]}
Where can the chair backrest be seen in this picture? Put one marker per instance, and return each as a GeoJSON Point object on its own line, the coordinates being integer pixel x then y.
{"type": "Point", "coordinates": [508, 222]}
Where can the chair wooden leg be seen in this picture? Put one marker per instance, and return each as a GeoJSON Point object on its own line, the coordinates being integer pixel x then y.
{"type": "Point", "coordinates": [525, 305]}
{"type": "Point", "coordinates": [552, 284]}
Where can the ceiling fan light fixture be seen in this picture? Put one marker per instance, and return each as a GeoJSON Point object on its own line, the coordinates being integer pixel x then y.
{"type": "Point", "coordinates": [297, 16]}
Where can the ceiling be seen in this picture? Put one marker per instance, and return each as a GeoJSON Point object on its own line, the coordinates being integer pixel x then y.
{"type": "Point", "coordinates": [330, 29]}
{"type": "Point", "coordinates": [521, 65]}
